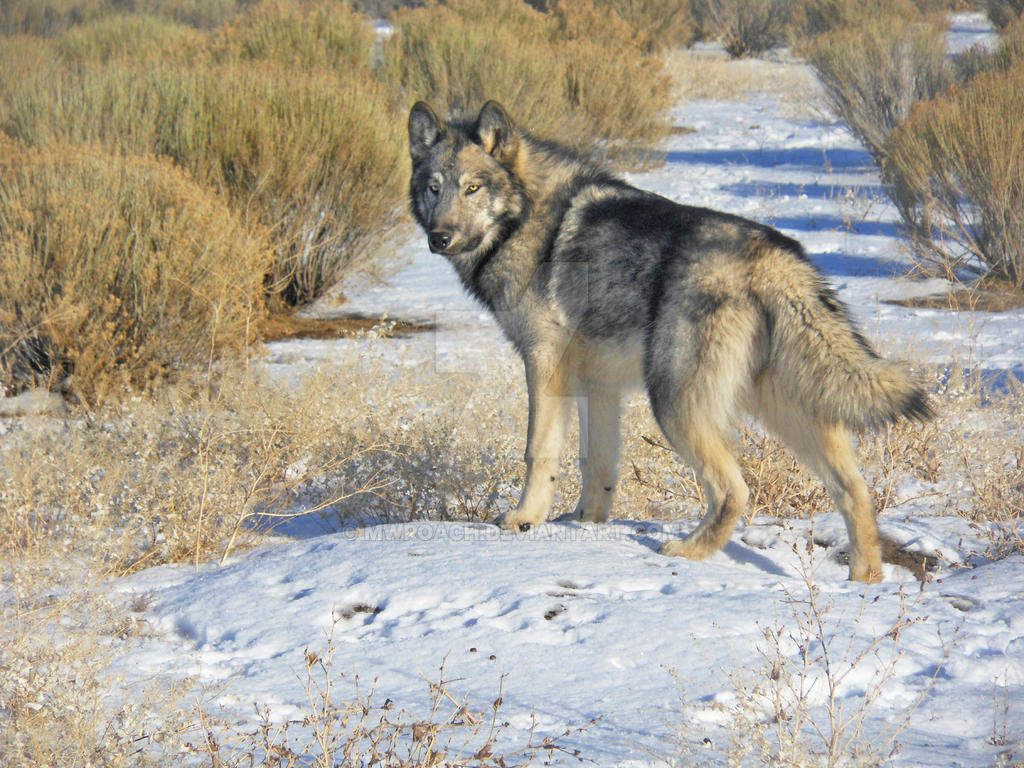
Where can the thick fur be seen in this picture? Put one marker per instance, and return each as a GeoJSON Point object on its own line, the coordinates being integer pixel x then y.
{"type": "Point", "coordinates": [601, 286]}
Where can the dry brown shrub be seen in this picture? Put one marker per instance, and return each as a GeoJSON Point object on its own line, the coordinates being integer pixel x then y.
{"type": "Point", "coordinates": [1002, 13]}
{"type": "Point", "coordinates": [122, 269]}
{"type": "Point", "coordinates": [143, 40]}
{"type": "Point", "coordinates": [810, 18]}
{"type": "Point", "coordinates": [1011, 44]}
{"type": "Point", "coordinates": [307, 35]}
{"type": "Point", "coordinates": [202, 14]}
{"type": "Point", "coordinates": [51, 18]}
{"type": "Point", "coordinates": [743, 27]}
{"type": "Point", "coordinates": [578, 75]}
{"type": "Point", "coordinates": [46, 17]}
{"type": "Point", "coordinates": [24, 59]}
{"type": "Point", "coordinates": [955, 167]}
{"type": "Point", "coordinates": [873, 73]}
{"type": "Point", "coordinates": [978, 59]}
{"type": "Point", "coordinates": [663, 24]}
{"type": "Point", "coordinates": [315, 157]}
{"type": "Point", "coordinates": [658, 25]}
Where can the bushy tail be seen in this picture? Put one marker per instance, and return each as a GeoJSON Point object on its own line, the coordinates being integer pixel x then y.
{"type": "Point", "coordinates": [819, 359]}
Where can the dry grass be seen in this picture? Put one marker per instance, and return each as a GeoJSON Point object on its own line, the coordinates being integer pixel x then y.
{"type": "Point", "coordinates": [187, 476]}
{"type": "Point", "coordinates": [196, 473]}
{"type": "Point", "coordinates": [368, 442]}
{"type": "Point", "coordinates": [697, 75]}
{"type": "Point", "coordinates": [452, 733]}
{"type": "Point", "coordinates": [56, 707]}
{"type": "Point", "coordinates": [795, 710]}
{"type": "Point", "coordinates": [704, 75]}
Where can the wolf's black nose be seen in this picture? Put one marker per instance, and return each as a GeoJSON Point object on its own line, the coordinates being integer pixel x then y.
{"type": "Point", "coordinates": [439, 240]}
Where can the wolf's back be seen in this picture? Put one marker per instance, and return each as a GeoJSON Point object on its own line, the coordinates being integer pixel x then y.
{"type": "Point", "coordinates": [818, 358]}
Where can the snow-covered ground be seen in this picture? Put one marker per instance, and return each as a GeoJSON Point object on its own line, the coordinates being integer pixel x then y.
{"type": "Point", "coordinates": [659, 661]}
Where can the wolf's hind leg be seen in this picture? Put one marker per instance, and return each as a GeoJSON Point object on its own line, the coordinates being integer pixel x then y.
{"type": "Point", "coordinates": [827, 450]}
{"type": "Point", "coordinates": [599, 452]}
{"type": "Point", "coordinates": [708, 452]}
{"type": "Point", "coordinates": [698, 377]}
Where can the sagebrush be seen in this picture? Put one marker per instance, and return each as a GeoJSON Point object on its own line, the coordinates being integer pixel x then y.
{"type": "Point", "coordinates": [874, 72]}
{"type": "Point", "coordinates": [955, 165]}
{"type": "Point", "coordinates": [115, 271]}
{"type": "Point", "coordinates": [1004, 12]}
{"type": "Point", "coordinates": [51, 18]}
{"type": "Point", "coordinates": [578, 75]}
{"type": "Point", "coordinates": [743, 27]}
{"type": "Point", "coordinates": [310, 153]}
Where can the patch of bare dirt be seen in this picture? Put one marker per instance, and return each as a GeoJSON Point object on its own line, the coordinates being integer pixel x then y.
{"type": "Point", "coordinates": [279, 327]}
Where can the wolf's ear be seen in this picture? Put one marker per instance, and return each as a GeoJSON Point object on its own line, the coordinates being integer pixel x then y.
{"type": "Point", "coordinates": [425, 130]}
{"type": "Point", "coordinates": [495, 132]}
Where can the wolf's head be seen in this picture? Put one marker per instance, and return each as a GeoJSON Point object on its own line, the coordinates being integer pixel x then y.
{"type": "Point", "coordinates": [464, 190]}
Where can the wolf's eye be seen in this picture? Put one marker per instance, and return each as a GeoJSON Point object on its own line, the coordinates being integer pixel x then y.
{"type": "Point", "coordinates": [471, 188]}
{"type": "Point", "coordinates": [434, 187]}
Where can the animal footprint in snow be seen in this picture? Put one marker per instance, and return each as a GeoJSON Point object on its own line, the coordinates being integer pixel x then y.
{"type": "Point", "coordinates": [364, 608]}
{"type": "Point", "coordinates": [552, 612]}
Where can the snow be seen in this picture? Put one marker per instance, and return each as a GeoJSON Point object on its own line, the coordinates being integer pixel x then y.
{"type": "Point", "coordinates": [588, 624]}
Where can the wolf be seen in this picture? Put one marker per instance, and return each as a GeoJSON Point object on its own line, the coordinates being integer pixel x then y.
{"type": "Point", "coordinates": [602, 287]}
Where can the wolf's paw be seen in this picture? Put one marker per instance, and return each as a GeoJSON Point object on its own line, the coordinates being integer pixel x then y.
{"type": "Point", "coordinates": [688, 548]}
{"type": "Point", "coordinates": [584, 515]}
{"type": "Point", "coordinates": [512, 522]}
{"type": "Point", "coordinates": [870, 574]}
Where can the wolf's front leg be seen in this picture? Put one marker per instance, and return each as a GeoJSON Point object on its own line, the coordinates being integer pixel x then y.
{"type": "Point", "coordinates": [545, 438]}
